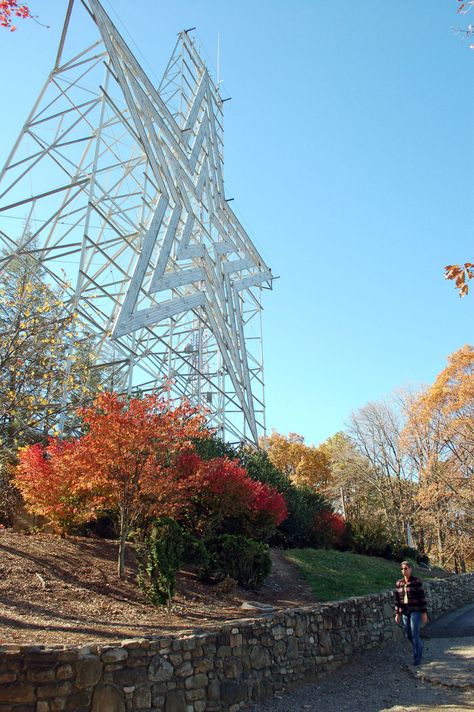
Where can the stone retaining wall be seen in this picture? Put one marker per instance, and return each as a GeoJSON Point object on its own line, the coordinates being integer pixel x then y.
{"type": "Point", "coordinates": [213, 670]}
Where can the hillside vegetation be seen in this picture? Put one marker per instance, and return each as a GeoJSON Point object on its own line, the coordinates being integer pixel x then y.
{"type": "Point", "coordinates": [334, 575]}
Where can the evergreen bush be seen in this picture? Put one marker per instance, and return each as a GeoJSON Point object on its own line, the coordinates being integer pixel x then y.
{"type": "Point", "coordinates": [195, 553]}
{"type": "Point", "coordinates": [245, 560]}
{"type": "Point", "coordinates": [159, 559]}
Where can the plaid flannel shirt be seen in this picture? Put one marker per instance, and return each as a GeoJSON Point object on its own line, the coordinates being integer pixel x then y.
{"type": "Point", "coordinates": [414, 593]}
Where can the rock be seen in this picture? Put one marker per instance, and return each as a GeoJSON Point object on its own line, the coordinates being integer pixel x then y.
{"type": "Point", "coordinates": [64, 672]}
{"type": "Point", "coordinates": [88, 671]}
{"type": "Point", "coordinates": [175, 701]}
{"type": "Point", "coordinates": [232, 668]}
{"type": "Point", "coordinates": [259, 657]}
{"type": "Point", "coordinates": [131, 676]}
{"type": "Point", "coordinates": [196, 682]}
{"type": "Point", "coordinates": [160, 670]}
{"type": "Point", "coordinates": [79, 700]}
{"type": "Point", "coordinates": [39, 675]}
{"type": "Point", "coordinates": [232, 692]}
{"type": "Point", "coordinates": [325, 643]}
{"type": "Point", "coordinates": [278, 632]}
{"type": "Point", "coordinates": [184, 670]}
{"type": "Point", "coordinates": [214, 690]}
{"type": "Point", "coordinates": [17, 693]}
{"type": "Point", "coordinates": [257, 606]}
{"type": "Point", "coordinates": [142, 697]}
{"type": "Point", "coordinates": [55, 689]}
{"type": "Point", "coordinates": [107, 698]}
{"type": "Point", "coordinates": [115, 655]}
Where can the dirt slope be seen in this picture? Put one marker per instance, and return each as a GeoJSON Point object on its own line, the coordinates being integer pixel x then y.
{"type": "Point", "coordinates": [66, 591]}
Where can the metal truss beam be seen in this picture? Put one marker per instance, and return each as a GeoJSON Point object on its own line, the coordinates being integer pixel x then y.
{"type": "Point", "coordinates": [124, 191]}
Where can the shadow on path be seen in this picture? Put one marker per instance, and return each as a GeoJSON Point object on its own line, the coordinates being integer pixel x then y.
{"type": "Point", "coordinates": [378, 680]}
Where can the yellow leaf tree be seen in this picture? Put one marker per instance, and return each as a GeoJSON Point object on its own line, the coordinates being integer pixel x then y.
{"type": "Point", "coordinates": [302, 464]}
{"type": "Point", "coordinates": [439, 436]}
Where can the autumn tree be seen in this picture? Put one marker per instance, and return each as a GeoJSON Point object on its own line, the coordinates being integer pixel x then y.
{"type": "Point", "coordinates": [46, 357]}
{"type": "Point", "coordinates": [46, 366]}
{"type": "Point", "coordinates": [351, 478]}
{"type": "Point", "coordinates": [375, 429]}
{"type": "Point", "coordinates": [439, 437]}
{"type": "Point", "coordinates": [422, 441]}
{"type": "Point", "coordinates": [302, 464]}
{"type": "Point", "coordinates": [129, 450]}
{"type": "Point", "coordinates": [49, 485]}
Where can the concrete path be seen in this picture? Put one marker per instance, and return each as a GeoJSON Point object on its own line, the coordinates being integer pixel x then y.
{"type": "Point", "coordinates": [457, 624]}
{"type": "Point", "coordinates": [382, 680]}
{"type": "Point", "coordinates": [379, 680]}
{"type": "Point", "coordinates": [449, 650]}
{"type": "Point", "coordinates": [448, 662]}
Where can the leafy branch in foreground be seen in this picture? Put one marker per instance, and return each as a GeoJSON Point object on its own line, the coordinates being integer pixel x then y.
{"type": "Point", "coordinates": [460, 274]}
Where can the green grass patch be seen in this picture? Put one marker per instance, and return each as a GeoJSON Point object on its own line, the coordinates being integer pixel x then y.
{"type": "Point", "coordinates": [334, 575]}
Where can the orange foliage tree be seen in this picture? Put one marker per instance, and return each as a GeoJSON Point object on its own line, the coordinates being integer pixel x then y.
{"type": "Point", "coordinates": [50, 488]}
{"type": "Point", "coordinates": [127, 454]}
{"type": "Point", "coordinates": [302, 464]}
{"type": "Point", "coordinates": [439, 436]}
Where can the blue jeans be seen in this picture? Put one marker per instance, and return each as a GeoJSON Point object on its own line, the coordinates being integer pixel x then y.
{"type": "Point", "coordinates": [411, 626]}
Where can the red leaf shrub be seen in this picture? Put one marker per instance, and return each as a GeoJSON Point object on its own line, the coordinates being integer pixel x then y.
{"type": "Point", "coordinates": [217, 495]}
{"type": "Point", "coordinates": [267, 499]}
{"type": "Point", "coordinates": [331, 527]}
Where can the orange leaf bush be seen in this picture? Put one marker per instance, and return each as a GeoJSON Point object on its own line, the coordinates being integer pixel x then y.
{"type": "Point", "coordinates": [124, 459]}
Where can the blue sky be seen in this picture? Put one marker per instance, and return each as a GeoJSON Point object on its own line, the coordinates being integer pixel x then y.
{"type": "Point", "coordinates": [349, 153]}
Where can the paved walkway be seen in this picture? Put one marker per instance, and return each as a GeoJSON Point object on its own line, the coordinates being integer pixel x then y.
{"type": "Point", "coordinates": [457, 624]}
{"type": "Point", "coordinates": [449, 650]}
{"type": "Point", "coordinates": [448, 662]}
{"type": "Point", "coordinates": [382, 680]}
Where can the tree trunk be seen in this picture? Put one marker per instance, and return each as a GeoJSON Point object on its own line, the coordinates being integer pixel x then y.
{"type": "Point", "coordinates": [124, 527]}
{"type": "Point", "coordinates": [439, 538]}
{"type": "Point", "coordinates": [343, 504]}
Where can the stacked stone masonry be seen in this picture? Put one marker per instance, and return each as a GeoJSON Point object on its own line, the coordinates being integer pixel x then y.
{"type": "Point", "coordinates": [213, 670]}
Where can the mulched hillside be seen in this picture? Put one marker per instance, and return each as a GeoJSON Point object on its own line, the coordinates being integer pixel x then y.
{"type": "Point", "coordinates": [55, 590]}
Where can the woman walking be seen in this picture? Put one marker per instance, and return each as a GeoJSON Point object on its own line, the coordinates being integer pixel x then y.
{"type": "Point", "coordinates": [411, 609]}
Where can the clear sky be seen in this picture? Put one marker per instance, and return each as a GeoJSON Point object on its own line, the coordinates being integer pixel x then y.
{"type": "Point", "coordinates": [349, 154]}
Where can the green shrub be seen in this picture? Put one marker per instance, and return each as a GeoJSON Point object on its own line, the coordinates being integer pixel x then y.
{"type": "Point", "coordinates": [347, 539]}
{"type": "Point", "coordinates": [159, 558]}
{"type": "Point", "coordinates": [373, 539]}
{"type": "Point", "coordinates": [209, 448]}
{"type": "Point", "coordinates": [195, 552]}
{"type": "Point", "coordinates": [298, 530]}
{"type": "Point", "coordinates": [245, 560]}
{"type": "Point", "coordinates": [423, 559]}
{"type": "Point", "coordinates": [401, 552]}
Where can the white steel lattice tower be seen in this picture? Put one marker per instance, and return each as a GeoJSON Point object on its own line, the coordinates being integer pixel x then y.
{"type": "Point", "coordinates": [120, 188]}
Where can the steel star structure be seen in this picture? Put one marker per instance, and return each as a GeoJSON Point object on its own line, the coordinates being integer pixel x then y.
{"type": "Point", "coordinates": [115, 188]}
